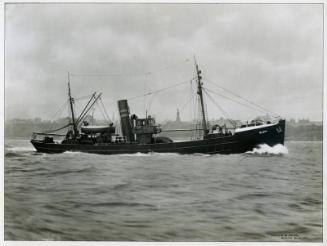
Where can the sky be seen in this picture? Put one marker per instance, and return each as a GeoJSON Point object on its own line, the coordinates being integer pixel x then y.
{"type": "Point", "coordinates": [270, 54]}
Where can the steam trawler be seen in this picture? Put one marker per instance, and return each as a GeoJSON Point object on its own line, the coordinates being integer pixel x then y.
{"type": "Point", "coordinates": [141, 134]}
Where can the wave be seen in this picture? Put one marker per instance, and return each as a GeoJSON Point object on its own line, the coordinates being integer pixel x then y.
{"type": "Point", "coordinates": [265, 149]}
{"type": "Point", "coordinates": [69, 171]}
{"type": "Point", "coordinates": [73, 152]}
{"type": "Point", "coordinates": [11, 154]}
{"type": "Point", "coordinates": [122, 204]}
{"type": "Point", "coordinates": [21, 149]}
{"type": "Point", "coordinates": [139, 154]}
{"type": "Point", "coordinates": [168, 154]}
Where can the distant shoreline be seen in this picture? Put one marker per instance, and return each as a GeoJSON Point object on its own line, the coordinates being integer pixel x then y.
{"type": "Point", "coordinates": [295, 131]}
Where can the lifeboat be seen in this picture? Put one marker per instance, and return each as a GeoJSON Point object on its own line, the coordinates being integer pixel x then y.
{"type": "Point", "coordinates": [97, 129]}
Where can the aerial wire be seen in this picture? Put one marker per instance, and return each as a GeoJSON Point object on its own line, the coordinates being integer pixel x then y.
{"type": "Point", "coordinates": [127, 74]}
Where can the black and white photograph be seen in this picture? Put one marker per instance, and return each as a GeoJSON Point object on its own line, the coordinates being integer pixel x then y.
{"type": "Point", "coordinates": [163, 122]}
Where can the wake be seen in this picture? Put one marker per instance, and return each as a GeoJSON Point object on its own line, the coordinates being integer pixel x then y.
{"type": "Point", "coordinates": [20, 149]}
{"type": "Point", "coordinates": [265, 149]}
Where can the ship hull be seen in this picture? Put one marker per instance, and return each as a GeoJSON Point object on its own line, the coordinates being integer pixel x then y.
{"type": "Point", "coordinates": [240, 142]}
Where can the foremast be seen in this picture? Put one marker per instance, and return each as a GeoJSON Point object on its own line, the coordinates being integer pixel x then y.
{"type": "Point", "coordinates": [71, 101]}
{"type": "Point", "coordinates": [199, 92]}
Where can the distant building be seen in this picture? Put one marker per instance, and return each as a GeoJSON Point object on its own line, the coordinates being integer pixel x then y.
{"type": "Point", "coordinates": [178, 118]}
{"type": "Point", "coordinates": [304, 121]}
{"type": "Point", "coordinates": [292, 121]}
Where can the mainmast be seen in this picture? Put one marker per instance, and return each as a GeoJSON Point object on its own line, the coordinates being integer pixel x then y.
{"type": "Point", "coordinates": [71, 101]}
{"type": "Point", "coordinates": [204, 121]}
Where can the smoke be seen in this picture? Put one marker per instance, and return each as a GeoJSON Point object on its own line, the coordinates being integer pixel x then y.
{"type": "Point", "coordinates": [265, 149]}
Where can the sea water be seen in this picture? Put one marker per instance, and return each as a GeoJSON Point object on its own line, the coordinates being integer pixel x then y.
{"type": "Point", "coordinates": [268, 194]}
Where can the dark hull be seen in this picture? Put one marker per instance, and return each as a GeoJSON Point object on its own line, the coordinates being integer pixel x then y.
{"type": "Point", "coordinates": [240, 142]}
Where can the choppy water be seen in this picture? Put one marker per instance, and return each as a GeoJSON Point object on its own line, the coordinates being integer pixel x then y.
{"type": "Point", "coordinates": [269, 194]}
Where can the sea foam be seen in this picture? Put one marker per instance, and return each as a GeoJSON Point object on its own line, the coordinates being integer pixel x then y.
{"type": "Point", "coordinates": [265, 149]}
{"type": "Point", "coordinates": [20, 149]}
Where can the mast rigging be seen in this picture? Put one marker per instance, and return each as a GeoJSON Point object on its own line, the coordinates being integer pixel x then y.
{"type": "Point", "coordinates": [71, 101]}
{"type": "Point", "coordinates": [89, 108]}
{"type": "Point", "coordinates": [199, 92]}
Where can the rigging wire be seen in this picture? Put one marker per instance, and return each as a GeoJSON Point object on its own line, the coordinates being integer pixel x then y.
{"type": "Point", "coordinates": [148, 105]}
{"type": "Point", "coordinates": [169, 66]}
{"type": "Point", "coordinates": [107, 74]}
{"type": "Point", "coordinates": [186, 103]}
{"type": "Point", "coordinates": [92, 115]}
{"type": "Point", "coordinates": [206, 113]}
{"type": "Point", "coordinates": [77, 107]}
{"type": "Point", "coordinates": [144, 98]}
{"type": "Point", "coordinates": [193, 110]}
{"type": "Point", "coordinates": [60, 110]}
{"type": "Point", "coordinates": [81, 118]}
{"type": "Point", "coordinates": [84, 97]}
{"type": "Point", "coordinates": [85, 108]}
{"type": "Point", "coordinates": [101, 111]}
{"type": "Point", "coordinates": [105, 111]}
{"type": "Point", "coordinates": [55, 130]}
{"type": "Point", "coordinates": [236, 95]}
{"type": "Point", "coordinates": [225, 113]}
{"type": "Point", "coordinates": [199, 116]}
{"type": "Point", "coordinates": [160, 90]}
{"type": "Point", "coordinates": [245, 105]}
